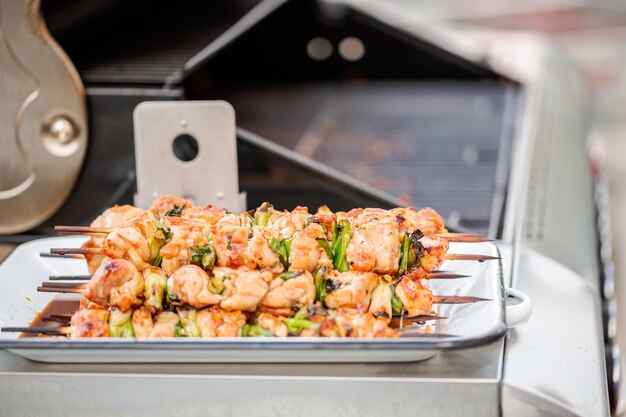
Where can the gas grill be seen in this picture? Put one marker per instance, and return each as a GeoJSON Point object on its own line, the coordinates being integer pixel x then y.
{"type": "Point", "coordinates": [400, 115]}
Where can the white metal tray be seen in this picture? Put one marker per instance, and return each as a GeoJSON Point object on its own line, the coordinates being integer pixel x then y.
{"type": "Point", "coordinates": [469, 324]}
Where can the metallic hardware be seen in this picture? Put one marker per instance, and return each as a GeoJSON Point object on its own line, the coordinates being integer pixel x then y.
{"type": "Point", "coordinates": [204, 167]}
{"type": "Point", "coordinates": [43, 121]}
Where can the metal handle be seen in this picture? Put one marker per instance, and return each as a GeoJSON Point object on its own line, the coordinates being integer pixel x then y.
{"type": "Point", "coordinates": [518, 308]}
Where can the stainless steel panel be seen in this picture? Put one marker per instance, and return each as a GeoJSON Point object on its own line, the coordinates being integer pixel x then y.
{"type": "Point", "coordinates": [463, 382]}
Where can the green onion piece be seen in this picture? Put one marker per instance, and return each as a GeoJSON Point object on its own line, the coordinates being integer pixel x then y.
{"type": "Point", "coordinates": [290, 274]}
{"type": "Point", "coordinates": [324, 243]}
{"type": "Point", "coordinates": [405, 248]}
{"type": "Point", "coordinates": [320, 285]}
{"type": "Point", "coordinates": [381, 302]}
{"type": "Point", "coordinates": [203, 256]}
{"type": "Point", "coordinates": [295, 326]}
{"type": "Point", "coordinates": [161, 236]}
{"type": "Point", "coordinates": [188, 319]}
{"type": "Point", "coordinates": [176, 211]}
{"type": "Point", "coordinates": [262, 214]}
{"type": "Point", "coordinates": [341, 239]}
{"type": "Point", "coordinates": [178, 330]}
{"type": "Point", "coordinates": [121, 324]}
{"type": "Point", "coordinates": [396, 305]}
{"type": "Point", "coordinates": [255, 330]}
{"type": "Point", "coordinates": [282, 248]}
{"type": "Point", "coordinates": [155, 284]}
{"type": "Point", "coordinates": [216, 285]}
{"type": "Point", "coordinates": [170, 295]}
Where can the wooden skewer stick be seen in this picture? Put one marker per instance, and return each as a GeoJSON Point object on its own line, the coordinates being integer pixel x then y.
{"type": "Point", "coordinates": [469, 257]}
{"type": "Point", "coordinates": [46, 330]}
{"type": "Point", "coordinates": [69, 277]}
{"type": "Point", "coordinates": [76, 251]}
{"type": "Point", "coordinates": [432, 275]}
{"type": "Point", "coordinates": [79, 288]}
{"type": "Point", "coordinates": [465, 238]}
{"type": "Point", "coordinates": [68, 290]}
{"type": "Point", "coordinates": [82, 229]}
{"type": "Point", "coordinates": [445, 275]}
{"type": "Point", "coordinates": [457, 299]}
{"type": "Point", "coordinates": [64, 284]}
{"type": "Point", "coordinates": [54, 255]}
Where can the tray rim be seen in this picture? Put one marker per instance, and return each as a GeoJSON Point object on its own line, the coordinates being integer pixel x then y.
{"type": "Point", "coordinates": [422, 343]}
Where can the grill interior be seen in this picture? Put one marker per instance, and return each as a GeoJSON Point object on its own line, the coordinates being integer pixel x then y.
{"type": "Point", "coordinates": [406, 117]}
{"type": "Point", "coordinates": [430, 144]}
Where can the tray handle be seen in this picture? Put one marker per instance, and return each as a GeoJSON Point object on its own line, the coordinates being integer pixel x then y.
{"type": "Point", "coordinates": [518, 308]}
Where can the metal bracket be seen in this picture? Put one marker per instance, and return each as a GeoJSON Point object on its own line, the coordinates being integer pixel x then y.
{"type": "Point", "coordinates": [206, 129]}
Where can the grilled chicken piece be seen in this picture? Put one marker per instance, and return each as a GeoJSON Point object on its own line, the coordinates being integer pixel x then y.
{"type": "Point", "coordinates": [216, 322]}
{"type": "Point", "coordinates": [231, 239]}
{"type": "Point", "coordinates": [204, 217]}
{"type": "Point", "coordinates": [145, 222]}
{"type": "Point", "coordinates": [375, 246]}
{"type": "Point", "coordinates": [128, 243]}
{"type": "Point", "coordinates": [115, 283]}
{"type": "Point", "coordinates": [272, 323]}
{"type": "Point", "coordinates": [190, 284]}
{"type": "Point", "coordinates": [287, 296]}
{"type": "Point", "coordinates": [185, 234]}
{"type": "Point", "coordinates": [164, 325]}
{"type": "Point", "coordinates": [259, 253]}
{"type": "Point", "coordinates": [89, 323]}
{"type": "Point", "coordinates": [142, 322]}
{"type": "Point", "coordinates": [244, 289]}
{"type": "Point", "coordinates": [426, 219]}
{"type": "Point", "coordinates": [416, 298]}
{"type": "Point", "coordinates": [164, 203]}
{"type": "Point", "coordinates": [306, 253]}
{"type": "Point", "coordinates": [351, 322]}
{"type": "Point", "coordinates": [351, 289]}
{"type": "Point", "coordinates": [434, 254]}
{"type": "Point", "coordinates": [283, 224]}
{"type": "Point", "coordinates": [113, 217]}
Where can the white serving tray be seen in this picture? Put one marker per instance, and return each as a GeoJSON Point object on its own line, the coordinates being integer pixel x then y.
{"type": "Point", "coordinates": [470, 324]}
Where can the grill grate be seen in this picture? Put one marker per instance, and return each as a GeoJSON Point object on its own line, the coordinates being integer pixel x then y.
{"type": "Point", "coordinates": [431, 144]}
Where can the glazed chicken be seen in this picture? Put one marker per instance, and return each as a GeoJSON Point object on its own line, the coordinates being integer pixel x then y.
{"type": "Point", "coordinates": [113, 217]}
{"type": "Point", "coordinates": [273, 324]}
{"type": "Point", "coordinates": [286, 296]}
{"type": "Point", "coordinates": [416, 299]}
{"type": "Point", "coordinates": [190, 284]}
{"type": "Point", "coordinates": [306, 254]}
{"type": "Point", "coordinates": [244, 289]}
{"type": "Point", "coordinates": [355, 322]}
{"type": "Point", "coordinates": [217, 322]}
{"type": "Point", "coordinates": [147, 327]}
{"type": "Point", "coordinates": [115, 283]}
{"type": "Point", "coordinates": [89, 323]}
{"type": "Point", "coordinates": [351, 289]}
{"type": "Point", "coordinates": [179, 270]}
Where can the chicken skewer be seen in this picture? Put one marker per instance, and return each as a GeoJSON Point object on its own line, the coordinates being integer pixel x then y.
{"type": "Point", "coordinates": [283, 227]}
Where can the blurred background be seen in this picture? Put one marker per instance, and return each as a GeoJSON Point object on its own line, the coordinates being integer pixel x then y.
{"type": "Point", "coordinates": [345, 103]}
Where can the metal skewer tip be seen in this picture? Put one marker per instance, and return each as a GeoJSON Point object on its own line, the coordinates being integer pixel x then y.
{"type": "Point", "coordinates": [457, 299]}
{"type": "Point", "coordinates": [445, 275]}
{"type": "Point", "coordinates": [470, 257]}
